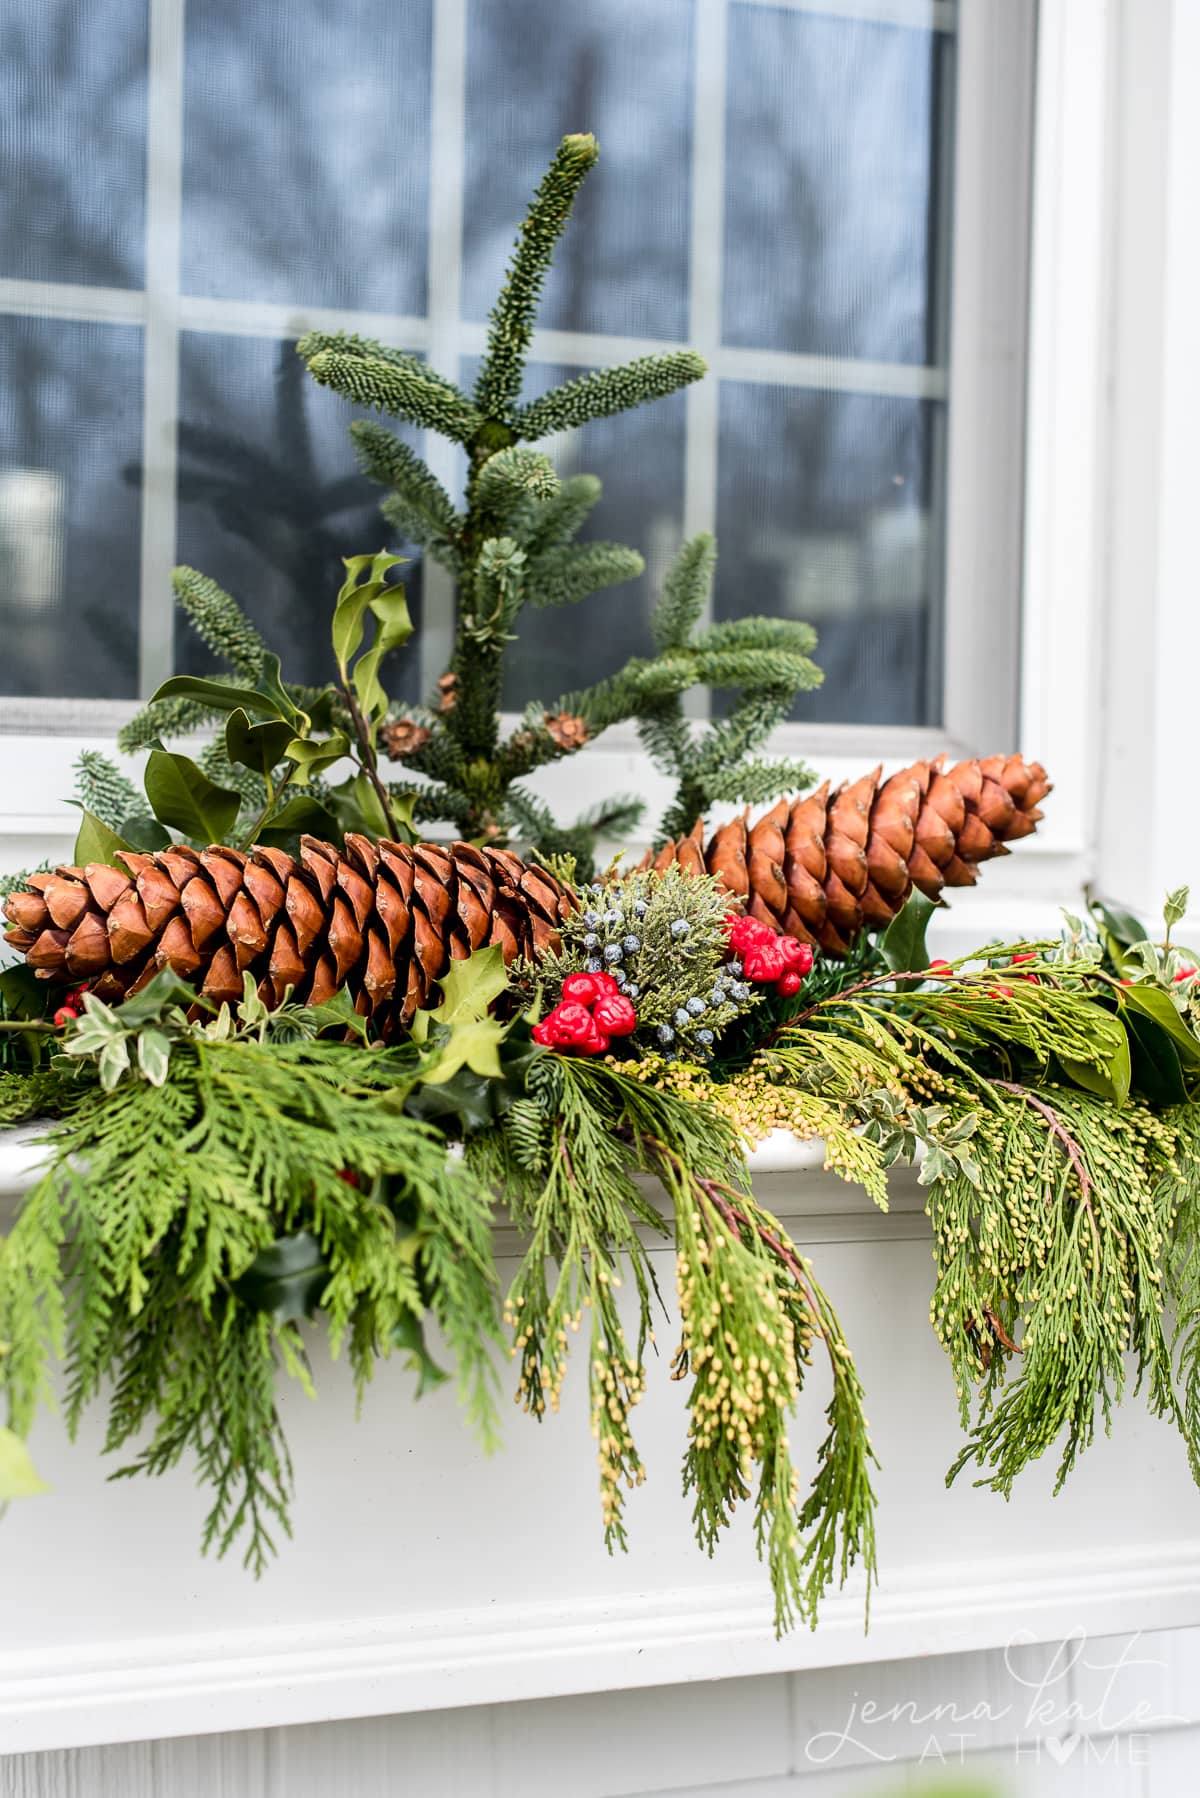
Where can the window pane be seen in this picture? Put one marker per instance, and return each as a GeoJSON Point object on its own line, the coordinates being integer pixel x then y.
{"type": "Point", "coordinates": [70, 507]}
{"type": "Point", "coordinates": [269, 502]}
{"type": "Point", "coordinates": [536, 70]}
{"type": "Point", "coordinates": [306, 152]}
{"type": "Point", "coordinates": [832, 156]}
{"type": "Point", "coordinates": [73, 141]}
{"type": "Point", "coordinates": [825, 513]}
{"type": "Point", "coordinates": [638, 457]}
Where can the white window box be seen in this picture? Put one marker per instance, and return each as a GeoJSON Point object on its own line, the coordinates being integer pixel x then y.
{"type": "Point", "coordinates": [423, 1575]}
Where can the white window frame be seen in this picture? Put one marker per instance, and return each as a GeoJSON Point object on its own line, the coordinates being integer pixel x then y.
{"type": "Point", "coordinates": [988, 488]}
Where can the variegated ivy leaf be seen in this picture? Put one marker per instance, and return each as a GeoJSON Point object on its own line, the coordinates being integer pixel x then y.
{"type": "Point", "coordinates": [154, 1055]}
{"type": "Point", "coordinates": [1175, 907]}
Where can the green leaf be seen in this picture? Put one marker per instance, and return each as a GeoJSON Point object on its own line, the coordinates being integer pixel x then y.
{"type": "Point", "coordinates": [269, 699]}
{"type": "Point", "coordinates": [24, 995]}
{"type": "Point", "coordinates": [313, 755]}
{"type": "Point", "coordinates": [18, 1476]}
{"type": "Point", "coordinates": [1153, 1003]}
{"type": "Point", "coordinates": [287, 1279]}
{"type": "Point", "coordinates": [257, 746]}
{"type": "Point", "coordinates": [357, 592]}
{"type": "Point", "coordinates": [154, 1055]}
{"type": "Point", "coordinates": [473, 1044]}
{"type": "Point", "coordinates": [902, 944]}
{"type": "Point", "coordinates": [338, 1013]}
{"type": "Point", "coordinates": [145, 833]}
{"type": "Point", "coordinates": [1175, 907]}
{"type": "Point", "coordinates": [409, 1334]}
{"type": "Point", "coordinates": [1157, 1072]}
{"type": "Point", "coordinates": [183, 797]}
{"type": "Point", "coordinates": [302, 815]}
{"type": "Point", "coordinates": [96, 842]}
{"type": "Point", "coordinates": [470, 986]}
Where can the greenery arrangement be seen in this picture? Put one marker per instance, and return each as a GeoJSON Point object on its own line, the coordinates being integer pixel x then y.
{"type": "Point", "coordinates": [288, 1054]}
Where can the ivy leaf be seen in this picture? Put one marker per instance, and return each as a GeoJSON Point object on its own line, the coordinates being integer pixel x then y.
{"type": "Point", "coordinates": [257, 746]}
{"type": "Point", "coordinates": [96, 842]}
{"type": "Point", "coordinates": [183, 797]}
{"type": "Point", "coordinates": [902, 944]}
{"type": "Point", "coordinates": [18, 1476]}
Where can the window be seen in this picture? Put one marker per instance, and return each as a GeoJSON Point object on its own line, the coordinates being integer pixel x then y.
{"type": "Point", "coordinates": [828, 198]}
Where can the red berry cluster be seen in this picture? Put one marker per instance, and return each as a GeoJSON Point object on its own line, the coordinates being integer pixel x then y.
{"type": "Point", "coordinates": [592, 1010]}
{"type": "Point", "coordinates": [768, 958]}
{"type": "Point", "coordinates": [70, 1008]}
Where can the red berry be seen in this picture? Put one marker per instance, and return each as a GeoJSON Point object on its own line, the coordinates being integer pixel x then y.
{"type": "Point", "coordinates": [1185, 972]}
{"type": "Point", "coordinates": [349, 1176]}
{"type": "Point", "coordinates": [66, 1014]}
{"type": "Point", "coordinates": [763, 962]}
{"type": "Point", "coordinates": [1000, 992]}
{"type": "Point", "coordinates": [582, 988]}
{"type": "Point", "coordinates": [797, 956]}
{"type": "Point", "coordinates": [747, 933]}
{"type": "Point", "coordinates": [544, 1034]}
{"type": "Point", "coordinates": [1026, 955]}
{"type": "Point", "coordinates": [614, 1014]}
{"type": "Point", "coordinates": [595, 1043]}
{"type": "Point", "coordinates": [789, 984]}
{"type": "Point", "coordinates": [939, 967]}
{"type": "Point", "coordinates": [603, 983]}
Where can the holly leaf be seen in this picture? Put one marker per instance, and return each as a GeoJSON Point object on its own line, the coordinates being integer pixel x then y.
{"type": "Point", "coordinates": [150, 1006]}
{"type": "Point", "coordinates": [357, 593]}
{"type": "Point", "coordinates": [18, 1476]}
{"type": "Point", "coordinates": [338, 1013]}
{"type": "Point", "coordinates": [312, 755]}
{"type": "Point", "coordinates": [902, 944]}
{"type": "Point", "coordinates": [96, 842]}
{"type": "Point", "coordinates": [469, 987]}
{"type": "Point", "coordinates": [183, 797]}
{"type": "Point", "coordinates": [394, 627]}
{"type": "Point", "coordinates": [474, 1044]}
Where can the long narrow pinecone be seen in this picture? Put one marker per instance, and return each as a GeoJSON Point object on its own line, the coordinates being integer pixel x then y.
{"type": "Point", "coordinates": [824, 867]}
{"type": "Point", "coordinates": [383, 919]}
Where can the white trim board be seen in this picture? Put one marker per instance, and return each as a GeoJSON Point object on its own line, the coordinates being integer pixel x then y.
{"type": "Point", "coordinates": [264, 1678]}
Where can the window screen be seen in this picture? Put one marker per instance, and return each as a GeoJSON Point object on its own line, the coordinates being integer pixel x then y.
{"type": "Point", "coordinates": [774, 188]}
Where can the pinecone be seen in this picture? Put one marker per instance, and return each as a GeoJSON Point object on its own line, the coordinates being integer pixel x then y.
{"type": "Point", "coordinates": [568, 731]}
{"type": "Point", "coordinates": [448, 692]}
{"type": "Point", "coordinates": [823, 867]}
{"type": "Point", "coordinates": [383, 919]}
{"type": "Point", "coordinates": [403, 736]}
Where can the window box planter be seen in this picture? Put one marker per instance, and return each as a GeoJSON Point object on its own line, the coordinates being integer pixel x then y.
{"type": "Point", "coordinates": [423, 1574]}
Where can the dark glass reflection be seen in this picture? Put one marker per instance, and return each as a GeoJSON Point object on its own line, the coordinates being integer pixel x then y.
{"type": "Point", "coordinates": [825, 512]}
{"type": "Point", "coordinates": [269, 502]}
{"type": "Point", "coordinates": [832, 152]}
{"type": "Point", "coordinates": [73, 141]}
{"type": "Point", "coordinates": [70, 417]}
{"type": "Point", "coordinates": [536, 70]}
{"type": "Point", "coordinates": [638, 456]}
{"type": "Point", "coordinates": [306, 152]}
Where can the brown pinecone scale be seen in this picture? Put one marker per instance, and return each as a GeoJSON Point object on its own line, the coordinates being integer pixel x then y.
{"type": "Point", "coordinates": [383, 919]}
{"type": "Point", "coordinates": [823, 867]}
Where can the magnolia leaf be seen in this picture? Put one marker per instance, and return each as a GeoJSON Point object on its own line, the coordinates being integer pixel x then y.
{"type": "Point", "coordinates": [154, 1055]}
{"type": "Point", "coordinates": [902, 944]}
{"type": "Point", "coordinates": [1152, 1002]}
{"type": "Point", "coordinates": [24, 995]}
{"type": "Point", "coordinates": [1157, 1072]}
{"type": "Point", "coordinates": [96, 842]}
{"type": "Point", "coordinates": [1111, 1081]}
{"type": "Point", "coordinates": [18, 1476]}
{"type": "Point", "coordinates": [409, 1334]}
{"type": "Point", "coordinates": [183, 797]}
{"type": "Point", "coordinates": [302, 814]}
{"type": "Point", "coordinates": [286, 1279]}
{"type": "Point", "coordinates": [145, 833]}
{"type": "Point", "coordinates": [257, 746]}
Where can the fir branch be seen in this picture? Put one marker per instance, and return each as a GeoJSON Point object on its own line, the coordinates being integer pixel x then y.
{"type": "Point", "coordinates": [608, 391]}
{"type": "Point", "coordinates": [685, 593]}
{"type": "Point", "coordinates": [554, 522]}
{"type": "Point", "coordinates": [220, 623]}
{"type": "Point", "coordinates": [510, 329]}
{"type": "Point", "coordinates": [406, 392]}
{"type": "Point", "coordinates": [367, 349]}
{"type": "Point", "coordinates": [418, 505]}
{"type": "Point", "coordinates": [562, 577]}
{"type": "Point", "coordinates": [103, 790]}
{"type": "Point", "coordinates": [510, 478]}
